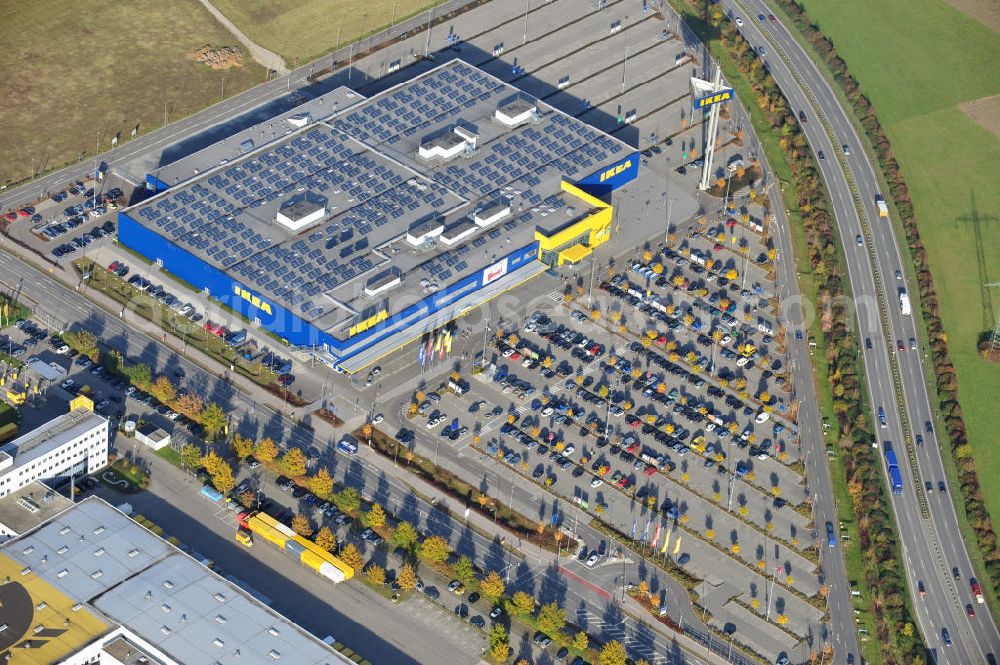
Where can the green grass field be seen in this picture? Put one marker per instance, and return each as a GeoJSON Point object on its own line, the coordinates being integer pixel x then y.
{"type": "Point", "coordinates": [70, 72]}
{"type": "Point", "coordinates": [917, 60]}
{"type": "Point", "coordinates": [300, 30]}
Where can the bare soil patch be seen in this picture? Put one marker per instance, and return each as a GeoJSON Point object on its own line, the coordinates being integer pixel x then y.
{"type": "Point", "coordinates": [219, 57]}
{"type": "Point", "coordinates": [986, 12]}
{"type": "Point", "coordinates": [985, 111]}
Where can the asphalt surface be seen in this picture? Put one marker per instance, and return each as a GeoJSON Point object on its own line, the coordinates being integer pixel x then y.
{"type": "Point", "coordinates": [592, 605]}
{"type": "Point", "coordinates": [931, 540]}
{"type": "Point", "coordinates": [364, 621]}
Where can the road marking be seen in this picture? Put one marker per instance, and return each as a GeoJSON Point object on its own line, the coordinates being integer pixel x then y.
{"type": "Point", "coordinates": [554, 296]}
{"type": "Point", "coordinates": [590, 585]}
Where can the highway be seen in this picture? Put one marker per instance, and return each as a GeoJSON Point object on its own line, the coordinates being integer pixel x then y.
{"type": "Point", "coordinates": [928, 526]}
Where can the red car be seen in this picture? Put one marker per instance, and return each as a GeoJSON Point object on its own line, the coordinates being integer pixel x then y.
{"type": "Point", "coordinates": [23, 212]}
{"type": "Point", "coordinates": [114, 266]}
{"type": "Point", "coordinates": [899, 345]}
{"type": "Point", "coordinates": [11, 216]}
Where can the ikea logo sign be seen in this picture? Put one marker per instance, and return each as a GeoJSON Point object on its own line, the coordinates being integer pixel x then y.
{"type": "Point", "coordinates": [368, 323]}
{"type": "Point", "coordinates": [253, 299]}
{"type": "Point", "coordinates": [721, 96]}
{"type": "Point", "coordinates": [615, 170]}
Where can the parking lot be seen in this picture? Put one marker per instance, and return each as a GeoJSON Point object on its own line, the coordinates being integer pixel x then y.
{"type": "Point", "coordinates": [662, 402]}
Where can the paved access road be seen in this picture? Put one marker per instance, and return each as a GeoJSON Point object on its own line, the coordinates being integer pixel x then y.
{"type": "Point", "coordinates": [931, 541]}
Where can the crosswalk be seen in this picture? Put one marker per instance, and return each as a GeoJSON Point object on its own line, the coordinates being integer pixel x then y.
{"type": "Point", "coordinates": [554, 296]}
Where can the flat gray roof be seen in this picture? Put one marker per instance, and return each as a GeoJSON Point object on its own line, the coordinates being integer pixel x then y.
{"type": "Point", "coordinates": [129, 653]}
{"type": "Point", "coordinates": [51, 435]}
{"type": "Point", "coordinates": [301, 205]}
{"type": "Point", "coordinates": [364, 160]}
{"type": "Point", "coordinates": [517, 106]}
{"type": "Point", "coordinates": [31, 505]}
{"type": "Point", "coordinates": [262, 131]}
{"type": "Point", "coordinates": [446, 140]}
{"type": "Point", "coordinates": [96, 555]}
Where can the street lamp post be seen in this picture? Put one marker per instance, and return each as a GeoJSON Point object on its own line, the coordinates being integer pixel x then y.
{"type": "Point", "coordinates": [524, 39]}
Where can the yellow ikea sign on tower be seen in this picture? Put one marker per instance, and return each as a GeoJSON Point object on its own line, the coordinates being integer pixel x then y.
{"type": "Point", "coordinates": [721, 96]}
{"type": "Point", "coordinates": [252, 298]}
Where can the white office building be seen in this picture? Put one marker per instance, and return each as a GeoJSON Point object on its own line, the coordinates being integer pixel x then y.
{"type": "Point", "coordinates": [74, 444]}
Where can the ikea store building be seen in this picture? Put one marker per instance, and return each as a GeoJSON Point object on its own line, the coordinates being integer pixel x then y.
{"type": "Point", "coordinates": [358, 232]}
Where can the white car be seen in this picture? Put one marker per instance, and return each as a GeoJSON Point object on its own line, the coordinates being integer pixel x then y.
{"type": "Point", "coordinates": [593, 559]}
{"type": "Point", "coordinates": [739, 21]}
{"type": "Point", "coordinates": [762, 417]}
{"type": "Point", "coordinates": [508, 353]}
{"type": "Point", "coordinates": [377, 419]}
{"type": "Point", "coordinates": [596, 482]}
{"type": "Point", "coordinates": [67, 384]}
{"type": "Point", "coordinates": [568, 450]}
{"type": "Point", "coordinates": [62, 349]}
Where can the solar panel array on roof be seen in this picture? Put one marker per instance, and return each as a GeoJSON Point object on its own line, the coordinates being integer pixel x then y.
{"type": "Point", "coordinates": [372, 198]}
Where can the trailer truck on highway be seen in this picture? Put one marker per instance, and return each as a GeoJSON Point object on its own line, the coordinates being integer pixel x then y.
{"type": "Point", "coordinates": [895, 477]}
{"type": "Point", "coordinates": [904, 302]}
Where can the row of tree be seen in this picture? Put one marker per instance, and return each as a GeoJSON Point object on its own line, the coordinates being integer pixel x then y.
{"type": "Point", "coordinates": [877, 539]}
{"type": "Point", "coordinates": [434, 550]}
{"type": "Point", "coordinates": [947, 381]}
{"type": "Point", "coordinates": [210, 415]}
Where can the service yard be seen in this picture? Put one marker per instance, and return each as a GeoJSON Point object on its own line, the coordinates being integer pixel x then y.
{"type": "Point", "coordinates": [63, 76]}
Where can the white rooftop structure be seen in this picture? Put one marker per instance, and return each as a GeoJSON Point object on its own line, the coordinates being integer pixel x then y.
{"type": "Point", "coordinates": [72, 444]}
{"type": "Point", "coordinates": [143, 596]}
{"type": "Point", "coordinates": [516, 112]}
{"type": "Point", "coordinates": [301, 210]}
{"type": "Point", "coordinates": [448, 144]}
